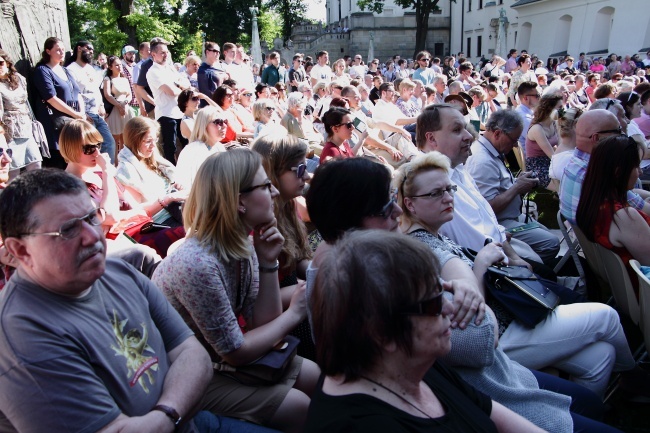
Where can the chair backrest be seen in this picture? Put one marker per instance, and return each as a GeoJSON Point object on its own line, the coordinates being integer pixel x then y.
{"type": "Point", "coordinates": [591, 253]}
{"type": "Point", "coordinates": [619, 282]}
{"type": "Point", "coordinates": [644, 301]}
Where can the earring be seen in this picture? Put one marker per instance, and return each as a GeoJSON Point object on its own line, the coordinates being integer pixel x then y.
{"type": "Point", "coordinates": [243, 210]}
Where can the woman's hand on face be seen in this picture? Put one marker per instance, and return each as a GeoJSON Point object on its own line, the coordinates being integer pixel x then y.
{"type": "Point", "coordinates": [104, 163]}
{"type": "Point", "coordinates": [268, 242]}
{"type": "Point", "coordinates": [299, 300]}
{"type": "Point", "coordinates": [468, 302]}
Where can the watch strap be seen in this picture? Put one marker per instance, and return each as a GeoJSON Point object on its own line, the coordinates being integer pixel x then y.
{"type": "Point", "coordinates": [170, 412]}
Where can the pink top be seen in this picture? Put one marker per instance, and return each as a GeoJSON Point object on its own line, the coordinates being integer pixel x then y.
{"type": "Point", "coordinates": [331, 149]}
{"type": "Point", "coordinates": [533, 150]}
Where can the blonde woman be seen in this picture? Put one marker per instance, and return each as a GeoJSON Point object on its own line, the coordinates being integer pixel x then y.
{"type": "Point", "coordinates": [209, 129]}
{"type": "Point", "coordinates": [264, 115]}
{"type": "Point", "coordinates": [339, 73]}
{"type": "Point", "coordinates": [221, 274]}
{"type": "Point", "coordinates": [147, 175]}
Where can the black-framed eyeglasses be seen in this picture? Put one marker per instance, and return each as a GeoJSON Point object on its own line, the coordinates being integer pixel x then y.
{"type": "Point", "coordinates": [300, 170]}
{"type": "Point", "coordinates": [220, 122]}
{"type": "Point", "coordinates": [71, 228]}
{"type": "Point", "coordinates": [387, 209]}
{"type": "Point", "coordinates": [8, 151]}
{"type": "Point", "coordinates": [266, 184]}
{"type": "Point", "coordinates": [438, 193]}
{"type": "Point", "coordinates": [429, 307]}
{"type": "Point", "coordinates": [89, 149]}
{"type": "Point", "coordinates": [349, 125]}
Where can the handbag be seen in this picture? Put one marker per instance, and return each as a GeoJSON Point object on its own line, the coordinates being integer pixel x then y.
{"type": "Point", "coordinates": [132, 226]}
{"type": "Point", "coordinates": [266, 370]}
{"type": "Point", "coordinates": [39, 134]}
{"type": "Point", "coordinates": [528, 298]}
{"type": "Point", "coordinates": [108, 106]}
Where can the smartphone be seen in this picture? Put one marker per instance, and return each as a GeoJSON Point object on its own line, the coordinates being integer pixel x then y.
{"type": "Point", "coordinates": [360, 125]}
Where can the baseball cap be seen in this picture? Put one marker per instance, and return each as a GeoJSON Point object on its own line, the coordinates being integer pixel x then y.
{"type": "Point", "coordinates": [128, 49]}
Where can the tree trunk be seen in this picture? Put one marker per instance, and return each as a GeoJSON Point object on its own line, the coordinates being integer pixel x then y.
{"type": "Point", "coordinates": [126, 8]}
{"type": "Point", "coordinates": [422, 26]}
{"type": "Point", "coordinates": [24, 26]}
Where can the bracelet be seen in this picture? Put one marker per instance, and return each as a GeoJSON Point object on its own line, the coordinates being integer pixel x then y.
{"type": "Point", "coordinates": [270, 270]}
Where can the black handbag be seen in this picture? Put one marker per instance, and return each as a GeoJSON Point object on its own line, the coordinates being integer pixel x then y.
{"type": "Point", "coordinates": [267, 370]}
{"type": "Point", "coordinates": [528, 298]}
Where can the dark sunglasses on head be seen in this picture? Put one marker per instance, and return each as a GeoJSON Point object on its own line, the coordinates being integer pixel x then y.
{"type": "Point", "coordinates": [8, 151]}
{"type": "Point", "coordinates": [387, 210]}
{"type": "Point", "coordinates": [220, 122]}
{"type": "Point", "coordinates": [350, 125]}
{"type": "Point", "coordinates": [89, 149]}
{"type": "Point", "coordinates": [300, 170]}
{"type": "Point", "coordinates": [430, 307]}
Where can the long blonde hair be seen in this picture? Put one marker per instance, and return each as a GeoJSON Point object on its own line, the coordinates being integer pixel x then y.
{"type": "Point", "coordinates": [202, 120]}
{"type": "Point", "coordinates": [279, 154]}
{"type": "Point", "coordinates": [211, 212]}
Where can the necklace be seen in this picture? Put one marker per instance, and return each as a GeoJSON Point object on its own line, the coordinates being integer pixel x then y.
{"type": "Point", "coordinates": [398, 396]}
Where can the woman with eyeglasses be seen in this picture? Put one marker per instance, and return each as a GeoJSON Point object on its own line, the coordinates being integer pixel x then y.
{"type": "Point", "coordinates": [284, 159]}
{"type": "Point", "coordinates": [80, 144]}
{"type": "Point", "coordinates": [15, 116]}
{"type": "Point", "coordinates": [585, 340]}
{"type": "Point", "coordinates": [224, 283]}
{"type": "Point", "coordinates": [542, 137]}
{"type": "Point", "coordinates": [264, 115]}
{"type": "Point", "coordinates": [338, 127]}
{"type": "Point", "coordinates": [224, 96]}
{"type": "Point", "coordinates": [382, 322]}
{"type": "Point", "coordinates": [147, 175]}
{"type": "Point", "coordinates": [207, 135]}
{"type": "Point", "coordinates": [189, 101]}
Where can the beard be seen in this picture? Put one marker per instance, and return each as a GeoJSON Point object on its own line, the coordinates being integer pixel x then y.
{"type": "Point", "coordinates": [86, 57]}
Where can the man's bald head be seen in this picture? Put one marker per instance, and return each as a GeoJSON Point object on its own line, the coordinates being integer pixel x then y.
{"type": "Point", "coordinates": [594, 125]}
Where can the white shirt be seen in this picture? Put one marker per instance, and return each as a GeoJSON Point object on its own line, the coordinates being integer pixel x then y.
{"type": "Point", "coordinates": [321, 73]}
{"type": "Point", "coordinates": [387, 112]}
{"type": "Point", "coordinates": [474, 220]}
{"type": "Point", "coordinates": [166, 105]}
{"type": "Point", "coordinates": [357, 71]}
{"type": "Point", "coordinates": [89, 80]}
{"type": "Point", "coordinates": [190, 160]}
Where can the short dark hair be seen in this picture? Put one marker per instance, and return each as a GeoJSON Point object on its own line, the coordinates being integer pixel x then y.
{"type": "Point", "coordinates": [24, 192]}
{"type": "Point", "coordinates": [259, 88]}
{"type": "Point", "coordinates": [345, 191]}
{"type": "Point", "coordinates": [184, 97]}
{"type": "Point", "coordinates": [526, 87]}
{"type": "Point", "coordinates": [220, 93]}
{"type": "Point", "coordinates": [522, 59]}
{"type": "Point", "coordinates": [429, 121]}
{"type": "Point", "coordinates": [645, 96]}
{"type": "Point", "coordinates": [362, 289]}
{"type": "Point", "coordinates": [384, 86]}
{"type": "Point", "coordinates": [320, 53]}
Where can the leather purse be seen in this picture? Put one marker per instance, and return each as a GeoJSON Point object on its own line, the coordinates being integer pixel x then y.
{"type": "Point", "coordinates": [39, 134]}
{"type": "Point", "coordinates": [528, 298]}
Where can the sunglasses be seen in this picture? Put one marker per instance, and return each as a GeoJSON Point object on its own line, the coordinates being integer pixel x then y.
{"type": "Point", "coordinates": [266, 184]}
{"type": "Point", "coordinates": [430, 307]}
{"type": "Point", "coordinates": [214, 51]}
{"type": "Point", "coordinates": [89, 149]}
{"type": "Point", "coordinates": [220, 122]}
{"type": "Point", "coordinates": [71, 228]}
{"type": "Point", "coordinates": [300, 170]}
{"type": "Point", "coordinates": [195, 98]}
{"type": "Point", "coordinates": [247, 94]}
{"type": "Point", "coordinates": [424, 60]}
{"type": "Point", "coordinates": [8, 151]}
{"type": "Point", "coordinates": [618, 130]}
{"type": "Point", "coordinates": [270, 109]}
{"type": "Point", "coordinates": [387, 210]}
{"type": "Point", "coordinates": [350, 125]}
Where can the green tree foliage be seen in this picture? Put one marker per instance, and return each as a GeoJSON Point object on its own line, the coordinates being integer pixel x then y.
{"type": "Point", "coordinates": [422, 10]}
{"type": "Point", "coordinates": [291, 12]}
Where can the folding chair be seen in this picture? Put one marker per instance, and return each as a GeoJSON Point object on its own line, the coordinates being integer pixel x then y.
{"type": "Point", "coordinates": [619, 282]}
{"type": "Point", "coordinates": [644, 302]}
{"type": "Point", "coordinates": [573, 249]}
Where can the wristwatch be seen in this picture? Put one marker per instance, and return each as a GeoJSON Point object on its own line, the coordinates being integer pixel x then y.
{"type": "Point", "coordinates": [170, 412]}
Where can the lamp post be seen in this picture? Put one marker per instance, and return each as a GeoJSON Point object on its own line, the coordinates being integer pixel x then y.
{"type": "Point", "coordinates": [256, 48]}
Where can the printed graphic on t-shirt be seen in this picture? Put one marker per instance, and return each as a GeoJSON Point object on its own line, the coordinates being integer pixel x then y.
{"type": "Point", "coordinates": [133, 346]}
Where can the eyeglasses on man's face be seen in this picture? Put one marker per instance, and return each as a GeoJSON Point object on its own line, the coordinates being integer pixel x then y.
{"type": "Point", "coordinates": [71, 228]}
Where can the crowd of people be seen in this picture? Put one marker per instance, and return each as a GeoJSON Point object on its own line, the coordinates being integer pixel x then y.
{"type": "Point", "coordinates": [216, 245]}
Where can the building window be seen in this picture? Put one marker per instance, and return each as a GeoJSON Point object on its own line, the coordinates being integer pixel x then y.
{"type": "Point", "coordinates": [468, 51]}
{"type": "Point", "coordinates": [469, 5]}
{"type": "Point", "coordinates": [480, 4]}
{"type": "Point", "coordinates": [479, 45]}
{"type": "Point", "coordinates": [500, 2]}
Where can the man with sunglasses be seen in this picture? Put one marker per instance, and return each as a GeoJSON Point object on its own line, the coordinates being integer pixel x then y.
{"type": "Point", "coordinates": [529, 94]}
{"type": "Point", "coordinates": [296, 72]}
{"type": "Point", "coordinates": [500, 188]}
{"type": "Point", "coordinates": [592, 126]}
{"type": "Point", "coordinates": [211, 73]}
{"type": "Point", "coordinates": [423, 72]}
{"type": "Point", "coordinates": [93, 344]}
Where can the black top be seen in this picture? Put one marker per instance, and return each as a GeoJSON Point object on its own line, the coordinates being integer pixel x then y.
{"type": "Point", "coordinates": [466, 410]}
